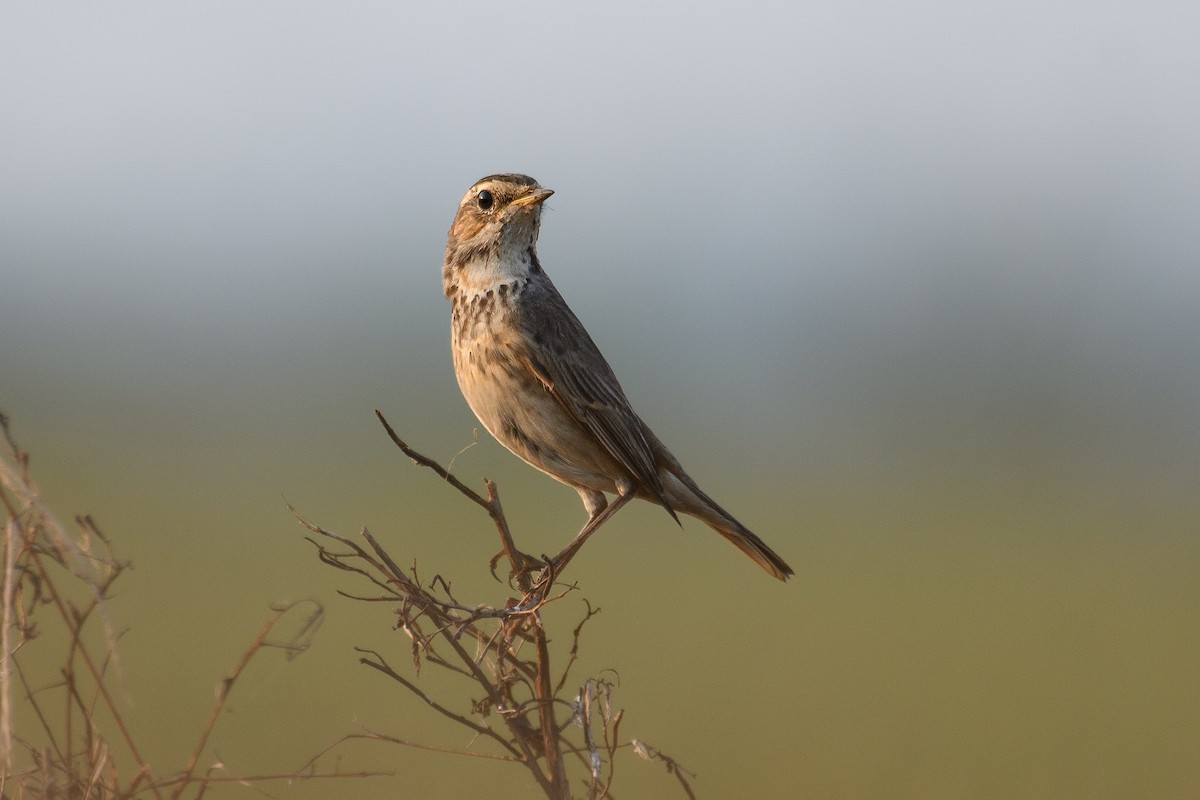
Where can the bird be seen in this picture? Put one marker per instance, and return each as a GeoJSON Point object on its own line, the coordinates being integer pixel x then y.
{"type": "Point", "coordinates": [539, 384]}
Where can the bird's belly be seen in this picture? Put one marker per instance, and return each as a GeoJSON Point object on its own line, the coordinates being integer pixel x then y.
{"type": "Point", "coordinates": [523, 416]}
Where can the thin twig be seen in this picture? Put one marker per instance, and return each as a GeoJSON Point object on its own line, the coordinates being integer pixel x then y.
{"type": "Point", "coordinates": [511, 662]}
{"type": "Point", "coordinates": [226, 686]}
{"type": "Point", "coordinates": [520, 564]}
{"type": "Point", "coordinates": [425, 461]}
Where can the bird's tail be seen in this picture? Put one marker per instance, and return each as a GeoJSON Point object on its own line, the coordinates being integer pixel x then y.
{"type": "Point", "coordinates": [751, 545]}
{"type": "Point", "coordinates": [686, 496]}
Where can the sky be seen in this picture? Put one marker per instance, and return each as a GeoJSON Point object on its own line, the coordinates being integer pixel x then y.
{"type": "Point", "coordinates": [842, 256]}
{"type": "Point", "coordinates": [204, 179]}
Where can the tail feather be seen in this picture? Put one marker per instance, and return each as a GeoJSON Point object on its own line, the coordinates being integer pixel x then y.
{"type": "Point", "coordinates": [752, 546]}
{"type": "Point", "coordinates": [687, 497]}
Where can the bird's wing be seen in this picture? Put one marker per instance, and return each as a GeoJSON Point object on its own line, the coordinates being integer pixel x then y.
{"type": "Point", "coordinates": [567, 362]}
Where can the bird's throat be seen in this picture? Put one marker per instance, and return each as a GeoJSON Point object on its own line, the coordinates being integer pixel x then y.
{"type": "Point", "coordinates": [487, 271]}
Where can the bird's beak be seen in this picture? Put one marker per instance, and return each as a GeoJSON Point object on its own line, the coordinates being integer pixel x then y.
{"type": "Point", "coordinates": [533, 198]}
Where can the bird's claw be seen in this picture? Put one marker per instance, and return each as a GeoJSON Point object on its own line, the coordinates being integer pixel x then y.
{"type": "Point", "coordinates": [525, 563]}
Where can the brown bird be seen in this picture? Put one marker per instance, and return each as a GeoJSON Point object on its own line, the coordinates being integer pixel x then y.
{"type": "Point", "coordinates": [538, 383]}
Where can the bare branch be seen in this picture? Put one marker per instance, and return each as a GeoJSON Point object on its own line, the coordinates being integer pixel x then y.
{"type": "Point", "coordinates": [56, 578]}
{"type": "Point", "coordinates": [500, 650]}
{"type": "Point", "coordinates": [511, 661]}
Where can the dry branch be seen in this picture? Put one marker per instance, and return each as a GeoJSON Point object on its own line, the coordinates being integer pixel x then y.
{"type": "Point", "coordinates": [510, 663]}
{"type": "Point", "coordinates": [55, 578]}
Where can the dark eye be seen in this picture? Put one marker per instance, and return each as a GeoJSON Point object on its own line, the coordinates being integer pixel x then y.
{"type": "Point", "coordinates": [484, 199]}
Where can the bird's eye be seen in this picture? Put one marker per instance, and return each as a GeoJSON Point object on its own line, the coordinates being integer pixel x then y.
{"type": "Point", "coordinates": [484, 200]}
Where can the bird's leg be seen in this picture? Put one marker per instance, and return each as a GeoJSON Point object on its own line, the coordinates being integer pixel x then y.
{"type": "Point", "coordinates": [593, 501]}
{"type": "Point", "coordinates": [599, 512]}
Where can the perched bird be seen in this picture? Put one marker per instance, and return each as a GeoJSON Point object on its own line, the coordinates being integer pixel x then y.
{"type": "Point", "coordinates": [538, 383]}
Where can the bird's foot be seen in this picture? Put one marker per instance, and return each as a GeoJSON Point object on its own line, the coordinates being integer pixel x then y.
{"type": "Point", "coordinates": [525, 564]}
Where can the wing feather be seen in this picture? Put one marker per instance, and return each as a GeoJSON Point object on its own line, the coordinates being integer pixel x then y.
{"type": "Point", "coordinates": [567, 362]}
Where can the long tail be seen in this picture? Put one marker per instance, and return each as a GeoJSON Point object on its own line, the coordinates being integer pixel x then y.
{"type": "Point", "coordinates": [751, 545]}
{"type": "Point", "coordinates": [686, 496]}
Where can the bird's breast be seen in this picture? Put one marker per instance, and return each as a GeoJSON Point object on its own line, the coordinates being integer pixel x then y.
{"type": "Point", "coordinates": [491, 363]}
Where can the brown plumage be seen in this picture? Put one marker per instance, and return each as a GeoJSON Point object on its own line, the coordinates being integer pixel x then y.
{"type": "Point", "coordinates": [536, 380]}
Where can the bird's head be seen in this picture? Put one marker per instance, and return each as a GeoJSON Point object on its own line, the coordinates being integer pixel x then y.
{"type": "Point", "coordinates": [494, 231]}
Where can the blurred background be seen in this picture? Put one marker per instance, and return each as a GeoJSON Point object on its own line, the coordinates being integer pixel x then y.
{"type": "Point", "coordinates": [914, 291]}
